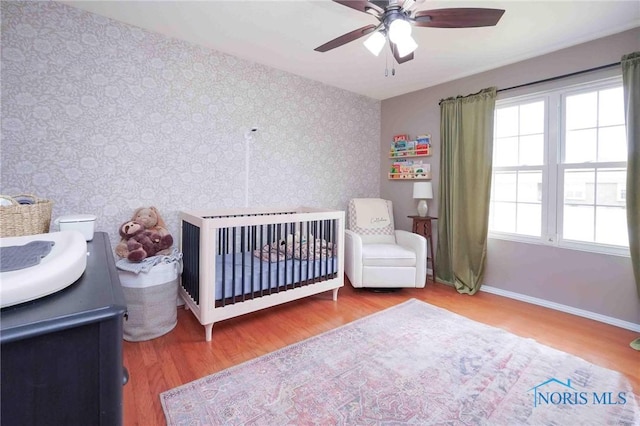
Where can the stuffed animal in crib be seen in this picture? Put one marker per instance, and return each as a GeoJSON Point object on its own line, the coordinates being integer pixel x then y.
{"type": "Point", "coordinates": [150, 219]}
{"type": "Point", "coordinates": [142, 243]}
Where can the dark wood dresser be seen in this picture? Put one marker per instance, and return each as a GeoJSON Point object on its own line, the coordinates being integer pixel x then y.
{"type": "Point", "coordinates": [62, 354]}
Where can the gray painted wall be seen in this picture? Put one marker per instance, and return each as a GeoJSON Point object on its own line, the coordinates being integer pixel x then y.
{"type": "Point", "coordinates": [598, 283]}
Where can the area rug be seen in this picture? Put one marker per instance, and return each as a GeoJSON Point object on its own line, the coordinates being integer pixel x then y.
{"type": "Point", "coordinates": [415, 364]}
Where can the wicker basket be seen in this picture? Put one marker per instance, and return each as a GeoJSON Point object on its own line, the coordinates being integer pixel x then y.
{"type": "Point", "coordinates": [18, 219]}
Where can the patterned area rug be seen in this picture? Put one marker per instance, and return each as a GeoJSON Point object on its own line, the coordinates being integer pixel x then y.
{"type": "Point", "coordinates": [413, 363]}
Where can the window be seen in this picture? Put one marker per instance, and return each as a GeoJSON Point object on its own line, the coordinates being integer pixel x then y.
{"type": "Point", "coordinates": [518, 162]}
{"type": "Point", "coordinates": [559, 168]}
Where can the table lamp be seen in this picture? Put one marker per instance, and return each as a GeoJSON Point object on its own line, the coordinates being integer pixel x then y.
{"type": "Point", "coordinates": [422, 191]}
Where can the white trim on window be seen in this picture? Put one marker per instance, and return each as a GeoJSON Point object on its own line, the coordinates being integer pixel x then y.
{"type": "Point", "coordinates": [553, 171]}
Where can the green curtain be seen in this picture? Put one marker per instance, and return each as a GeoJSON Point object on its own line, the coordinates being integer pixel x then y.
{"type": "Point", "coordinates": [631, 83]}
{"type": "Point", "coordinates": [466, 153]}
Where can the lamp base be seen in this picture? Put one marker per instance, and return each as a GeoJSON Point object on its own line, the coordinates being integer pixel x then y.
{"type": "Point", "coordinates": [422, 208]}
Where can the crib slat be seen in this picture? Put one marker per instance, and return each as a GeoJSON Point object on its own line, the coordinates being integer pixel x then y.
{"type": "Point", "coordinates": [261, 262]}
{"type": "Point", "coordinates": [321, 236]}
{"type": "Point", "coordinates": [315, 238]}
{"type": "Point", "coordinates": [233, 263]}
{"type": "Point", "coordinates": [252, 250]}
{"type": "Point", "coordinates": [269, 239]}
{"type": "Point", "coordinates": [299, 257]}
{"type": "Point", "coordinates": [308, 247]}
{"type": "Point", "coordinates": [279, 233]}
{"type": "Point", "coordinates": [286, 250]}
{"type": "Point", "coordinates": [224, 263]}
{"type": "Point", "coordinates": [333, 246]}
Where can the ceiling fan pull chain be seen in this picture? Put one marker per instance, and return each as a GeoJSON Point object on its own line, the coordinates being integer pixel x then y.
{"type": "Point", "coordinates": [386, 64]}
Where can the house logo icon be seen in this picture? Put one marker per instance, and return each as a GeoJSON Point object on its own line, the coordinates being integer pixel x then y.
{"type": "Point", "coordinates": [545, 397]}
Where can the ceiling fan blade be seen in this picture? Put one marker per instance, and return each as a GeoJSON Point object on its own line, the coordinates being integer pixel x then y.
{"type": "Point", "coordinates": [458, 18]}
{"type": "Point", "coordinates": [346, 38]}
{"type": "Point", "coordinates": [362, 6]}
{"type": "Point", "coordinates": [394, 50]}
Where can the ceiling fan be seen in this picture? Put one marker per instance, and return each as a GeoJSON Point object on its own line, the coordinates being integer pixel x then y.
{"type": "Point", "coordinates": [396, 17]}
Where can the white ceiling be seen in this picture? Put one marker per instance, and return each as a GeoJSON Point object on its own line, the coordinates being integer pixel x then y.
{"type": "Point", "coordinates": [283, 34]}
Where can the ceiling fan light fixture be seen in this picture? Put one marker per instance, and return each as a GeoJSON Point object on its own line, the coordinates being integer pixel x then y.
{"type": "Point", "coordinates": [396, 18]}
{"type": "Point", "coordinates": [375, 42]}
{"type": "Point", "coordinates": [406, 46]}
{"type": "Point", "coordinates": [399, 29]}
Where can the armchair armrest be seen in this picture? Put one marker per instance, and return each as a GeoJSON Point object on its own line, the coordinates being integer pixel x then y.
{"type": "Point", "coordinates": [353, 257]}
{"type": "Point", "coordinates": [418, 244]}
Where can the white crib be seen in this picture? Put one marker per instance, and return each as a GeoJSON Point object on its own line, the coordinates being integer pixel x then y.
{"type": "Point", "coordinates": [240, 261]}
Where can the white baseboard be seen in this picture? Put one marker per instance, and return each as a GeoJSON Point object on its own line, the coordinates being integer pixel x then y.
{"type": "Point", "coordinates": [563, 308]}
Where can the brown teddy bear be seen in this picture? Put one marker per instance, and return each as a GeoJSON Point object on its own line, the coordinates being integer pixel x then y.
{"type": "Point", "coordinates": [142, 243]}
{"type": "Point", "coordinates": [150, 219]}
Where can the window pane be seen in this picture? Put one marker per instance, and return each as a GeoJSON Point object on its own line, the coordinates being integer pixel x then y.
{"type": "Point", "coordinates": [582, 111]}
{"type": "Point", "coordinates": [612, 143]}
{"type": "Point", "coordinates": [504, 217]}
{"type": "Point", "coordinates": [532, 150]}
{"type": "Point", "coordinates": [611, 226]}
{"type": "Point", "coordinates": [578, 223]}
{"type": "Point", "coordinates": [505, 152]}
{"type": "Point", "coordinates": [529, 219]}
{"type": "Point", "coordinates": [507, 122]}
{"type": "Point", "coordinates": [580, 146]}
{"type": "Point", "coordinates": [612, 184]}
{"type": "Point", "coordinates": [504, 186]}
{"type": "Point", "coordinates": [530, 187]}
{"type": "Point", "coordinates": [611, 107]}
{"type": "Point", "coordinates": [579, 187]}
{"type": "Point", "coordinates": [532, 118]}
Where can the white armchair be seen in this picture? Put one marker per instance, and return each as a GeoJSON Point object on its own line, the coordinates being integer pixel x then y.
{"type": "Point", "coordinates": [378, 255]}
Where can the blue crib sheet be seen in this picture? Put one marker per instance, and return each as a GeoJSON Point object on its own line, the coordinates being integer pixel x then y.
{"type": "Point", "coordinates": [272, 274]}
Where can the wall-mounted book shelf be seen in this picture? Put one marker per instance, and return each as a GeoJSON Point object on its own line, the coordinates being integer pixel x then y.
{"type": "Point", "coordinates": [403, 152]}
{"type": "Point", "coordinates": [397, 154]}
{"type": "Point", "coordinates": [410, 176]}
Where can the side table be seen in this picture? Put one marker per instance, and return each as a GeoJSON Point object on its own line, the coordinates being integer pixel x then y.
{"type": "Point", "coordinates": [422, 226]}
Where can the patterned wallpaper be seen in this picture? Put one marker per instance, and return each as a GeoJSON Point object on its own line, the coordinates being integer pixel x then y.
{"type": "Point", "coordinates": [102, 117]}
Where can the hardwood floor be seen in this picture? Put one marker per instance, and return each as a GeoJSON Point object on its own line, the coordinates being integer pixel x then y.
{"type": "Point", "coordinates": [183, 355]}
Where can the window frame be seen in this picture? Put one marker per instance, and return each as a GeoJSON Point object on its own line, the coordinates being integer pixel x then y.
{"type": "Point", "coordinates": [552, 200]}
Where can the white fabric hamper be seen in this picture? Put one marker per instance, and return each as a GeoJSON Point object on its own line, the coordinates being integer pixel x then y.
{"type": "Point", "coordinates": [151, 301]}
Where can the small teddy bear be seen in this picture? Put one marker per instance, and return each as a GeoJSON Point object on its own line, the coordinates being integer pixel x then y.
{"type": "Point", "coordinates": [149, 218]}
{"type": "Point", "coordinates": [142, 243]}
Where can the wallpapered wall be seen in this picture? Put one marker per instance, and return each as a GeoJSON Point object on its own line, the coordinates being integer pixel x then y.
{"type": "Point", "coordinates": [102, 117]}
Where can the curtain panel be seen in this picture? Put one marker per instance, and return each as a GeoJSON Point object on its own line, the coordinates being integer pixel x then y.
{"type": "Point", "coordinates": [466, 133]}
{"type": "Point", "coordinates": [631, 83]}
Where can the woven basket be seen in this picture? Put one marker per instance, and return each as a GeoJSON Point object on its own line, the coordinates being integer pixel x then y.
{"type": "Point", "coordinates": [18, 219]}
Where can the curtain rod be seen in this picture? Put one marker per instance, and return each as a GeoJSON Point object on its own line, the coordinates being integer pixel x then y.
{"type": "Point", "coordinates": [561, 76]}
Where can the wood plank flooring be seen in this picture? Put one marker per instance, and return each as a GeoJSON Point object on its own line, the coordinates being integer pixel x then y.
{"type": "Point", "coordinates": [183, 355]}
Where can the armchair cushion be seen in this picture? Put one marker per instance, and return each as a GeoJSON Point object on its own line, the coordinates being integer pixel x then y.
{"type": "Point", "coordinates": [372, 219]}
{"type": "Point", "coordinates": [387, 255]}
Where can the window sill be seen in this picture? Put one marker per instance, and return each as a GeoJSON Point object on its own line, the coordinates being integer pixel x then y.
{"type": "Point", "coordinates": [565, 244]}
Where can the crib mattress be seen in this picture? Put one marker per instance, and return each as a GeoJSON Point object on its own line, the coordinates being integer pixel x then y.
{"type": "Point", "coordinates": [261, 275]}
